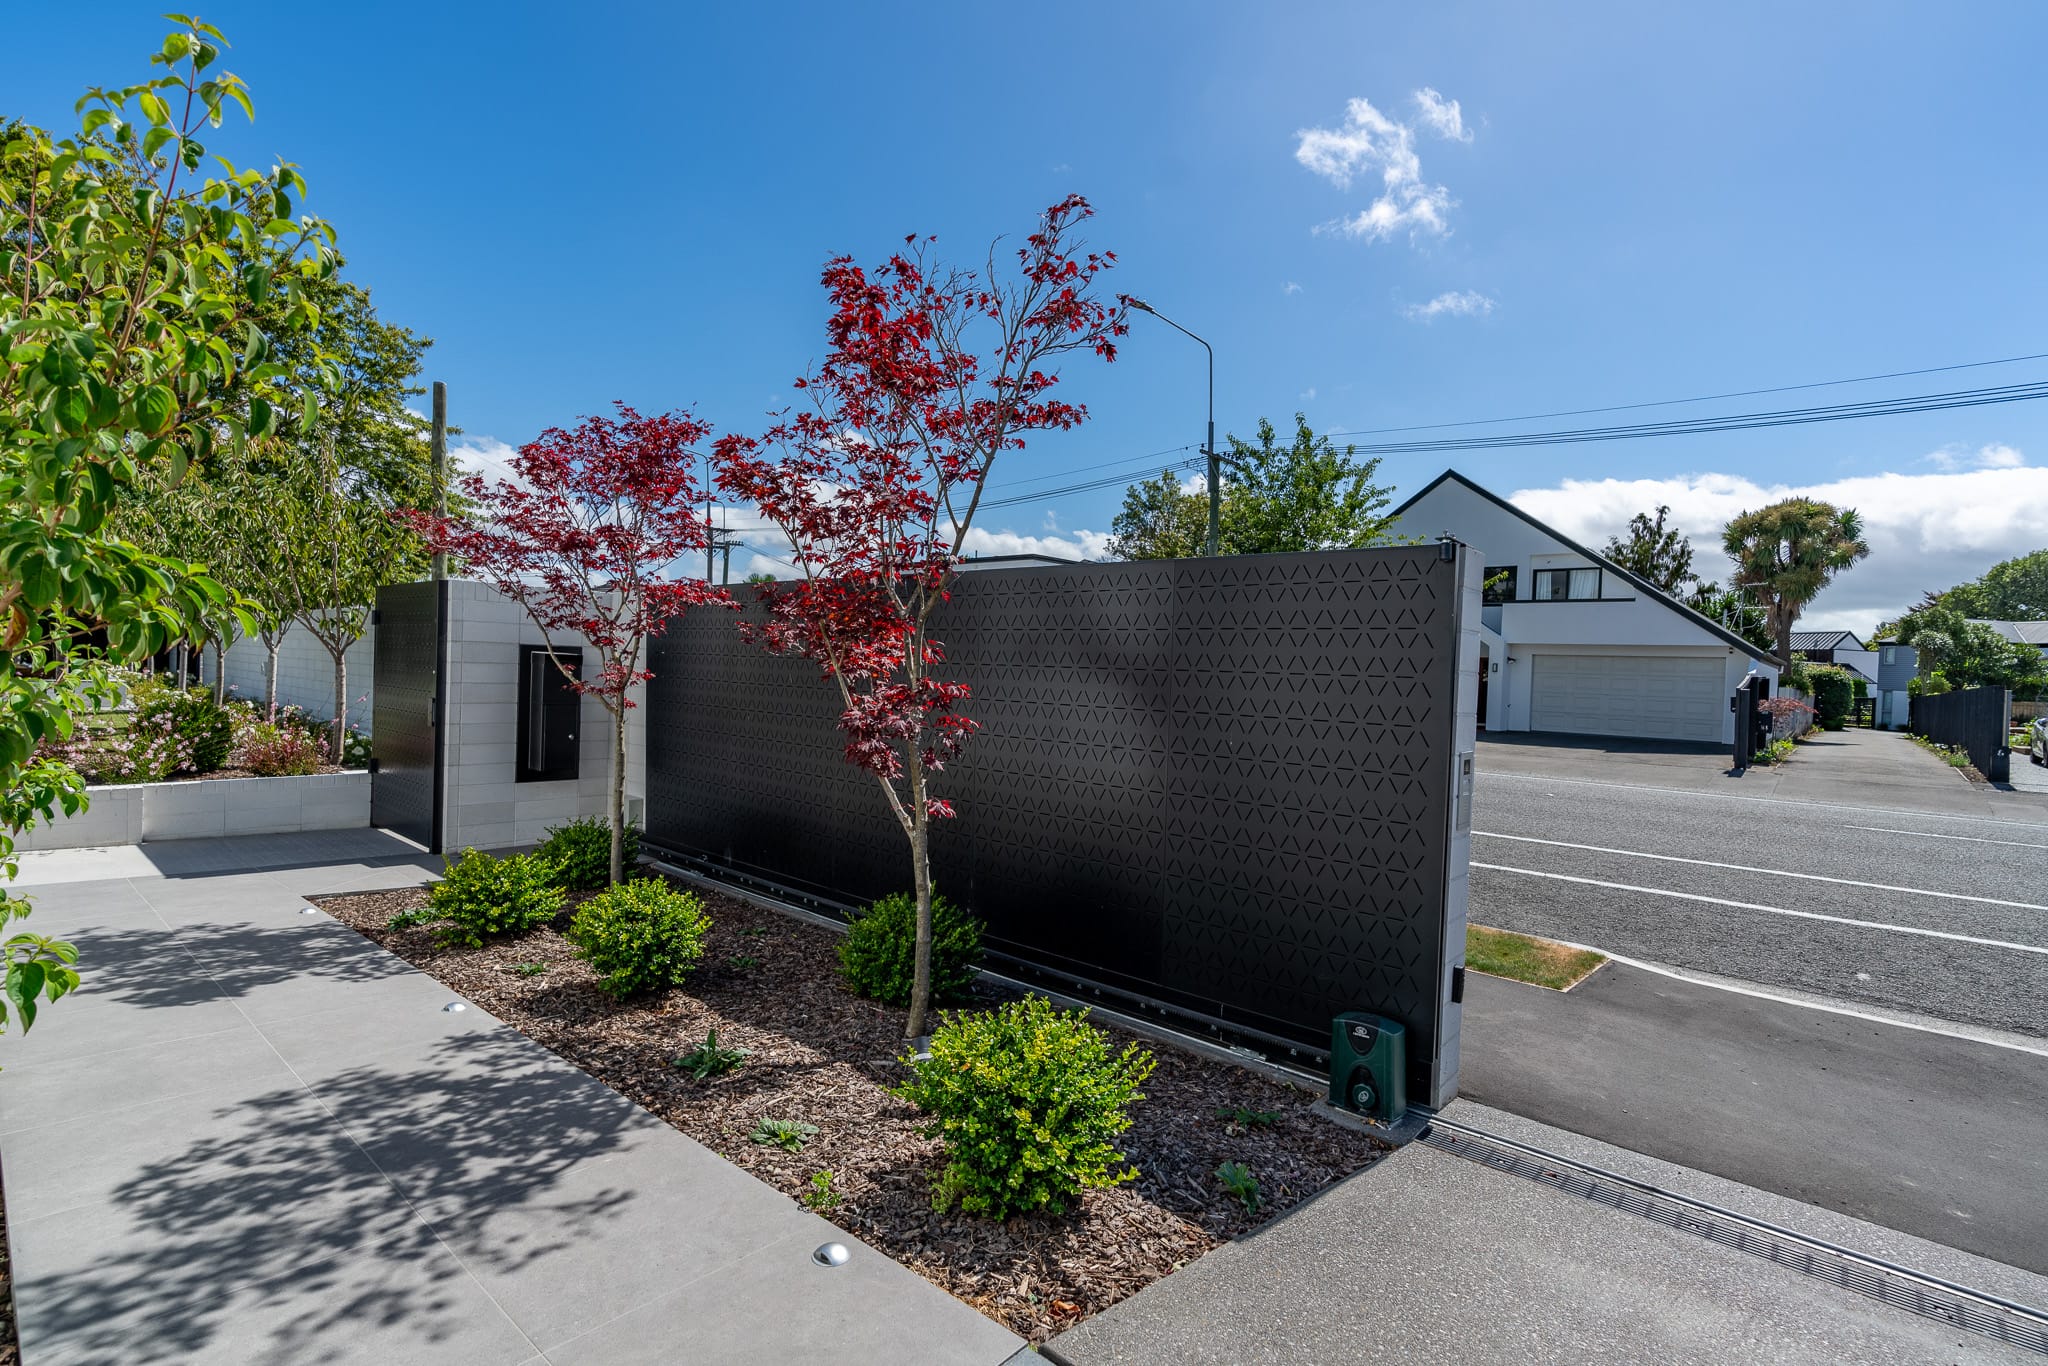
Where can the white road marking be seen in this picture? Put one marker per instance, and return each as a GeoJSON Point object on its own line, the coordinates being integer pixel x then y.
{"type": "Point", "coordinates": [1986, 1037]}
{"type": "Point", "coordinates": [1774, 872]}
{"type": "Point", "coordinates": [1769, 910]}
{"type": "Point", "coordinates": [1767, 801]}
{"type": "Point", "coordinates": [1930, 835]}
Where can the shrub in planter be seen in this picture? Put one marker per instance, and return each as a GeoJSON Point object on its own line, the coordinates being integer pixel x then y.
{"type": "Point", "coordinates": [274, 751]}
{"type": "Point", "coordinates": [1027, 1100]}
{"type": "Point", "coordinates": [1831, 695]}
{"type": "Point", "coordinates": [640, 935]}
{"type": "Point", "coordinates": [206, 726]}
{"type": "Point", "coordinates": [582, 851]}
{"type": "Point", "coordinates": [479, 896]}
{"type": "Point", "coordinates": [1795, 676]}
{"type": "Point", "coordinates": [878, 957]}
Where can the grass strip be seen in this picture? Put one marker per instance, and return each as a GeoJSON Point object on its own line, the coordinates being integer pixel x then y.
{"type": "Point", "coordinates": [1539, 962]}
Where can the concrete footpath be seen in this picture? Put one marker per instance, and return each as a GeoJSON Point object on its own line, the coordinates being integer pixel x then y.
{"type": "Point", "coordinates": [255, 1137]}
{"type": "Point", "coordinates": [1430, 1257]}
{"type": "Point", "coordinates": [1926, 1133]}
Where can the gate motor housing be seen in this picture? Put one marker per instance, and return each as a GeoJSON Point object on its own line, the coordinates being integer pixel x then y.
{"type": "Point", "coordinates": [1369, 1065]}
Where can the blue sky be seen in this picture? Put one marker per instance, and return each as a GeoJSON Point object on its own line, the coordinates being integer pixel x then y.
{"type": "Point", "coordinates": [1633, 203]}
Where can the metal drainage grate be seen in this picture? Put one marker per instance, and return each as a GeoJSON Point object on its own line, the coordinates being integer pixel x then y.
{"type": "Point", "coordinates": [1928, 1296]}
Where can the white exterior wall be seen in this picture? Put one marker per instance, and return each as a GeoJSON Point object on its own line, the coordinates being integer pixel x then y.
{"type": "Point", "coordinates": [305, 673]}
{"type": "Point", "coordinates": [134, 813]}
{"type": "Point", "coordinates": [486, 807]}
{"type": "Point", "coordinates": [1623, 621]}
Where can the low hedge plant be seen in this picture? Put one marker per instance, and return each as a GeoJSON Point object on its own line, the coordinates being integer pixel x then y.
{"type": "Point", "coordinates": [641, 935]}
{"type": "Point", "coordinates": [1028, 1101]}
{"type": "Point", "coordinates": [479, 896]}
{"type": "Point", "coordinates": [582, 852]}
{"type": "Point", "coordinates": [878, 957]}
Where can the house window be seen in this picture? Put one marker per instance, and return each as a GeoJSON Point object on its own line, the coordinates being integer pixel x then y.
{"type": "Point", "coordinates": [1889, 651]}
{"type": "Point", "coordinates": [1561, 585]}
{"type": "Point", "coordinates": [1499, 585]}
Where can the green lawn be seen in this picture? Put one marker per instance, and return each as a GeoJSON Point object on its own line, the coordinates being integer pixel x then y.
{"type": "Point", "coordinates": [1498, 953]}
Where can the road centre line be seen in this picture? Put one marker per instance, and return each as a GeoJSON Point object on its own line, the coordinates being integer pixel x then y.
{"type": "Point", "coordinates": [1774, 872]}
{"type": "Point", "coordinates": [1767, 801]}
{"type": "Point", "coordinates": [1768, 910]}
{"type": "Point", "coordinates": [1930, 835]}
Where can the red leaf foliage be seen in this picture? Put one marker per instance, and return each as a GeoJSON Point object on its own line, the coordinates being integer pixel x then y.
{"type": "Point", "coordinates": [933, 371]}
{"type": "Point", "coordinates": [584, 536]}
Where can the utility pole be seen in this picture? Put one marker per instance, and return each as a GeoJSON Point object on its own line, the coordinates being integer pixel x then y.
{"type": "Point", "coordinates": [438, 443]}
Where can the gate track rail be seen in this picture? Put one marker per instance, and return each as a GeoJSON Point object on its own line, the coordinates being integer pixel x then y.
{"type": "Point", "coordinates": [1898, 1286]}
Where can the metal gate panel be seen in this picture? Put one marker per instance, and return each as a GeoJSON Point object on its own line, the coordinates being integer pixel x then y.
{"type": "Point", "coordinates": [1224, 785]}
{"type": "Point", "coordinates": [405, 735]}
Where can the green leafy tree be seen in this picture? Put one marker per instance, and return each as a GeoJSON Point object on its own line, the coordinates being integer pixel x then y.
{"type": "Point", "coordinates": [337, 544]}
{"type": "Point", "coordinates": [1787, 552]}
{"type": "Point", "coordinates": [1734, 610]}
{"type": "Point", "coordinates": [1654, 551]}
{"type": "Point", "coordinates": [2011, 590]}
{"type": "Point", "coordinates": [1969, 654]}
{"type": "Point", "coordinates": [1304, 495]}
{"type": "Point", "coordinates": [131, 290]}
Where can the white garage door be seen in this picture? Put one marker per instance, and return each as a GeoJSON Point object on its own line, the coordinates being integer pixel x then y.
{"type": "Point", "coordinates": [1644, 696]}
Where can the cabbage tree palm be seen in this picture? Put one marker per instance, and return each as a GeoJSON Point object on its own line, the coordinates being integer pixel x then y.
{"type": "Point", "coordinates": [1787, 552]}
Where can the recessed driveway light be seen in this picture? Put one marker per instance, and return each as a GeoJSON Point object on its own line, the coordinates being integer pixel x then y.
{"type": "Point", "coordinates": [831, 1254]}
{"type": "Point", "coordinates": [453, 1006]}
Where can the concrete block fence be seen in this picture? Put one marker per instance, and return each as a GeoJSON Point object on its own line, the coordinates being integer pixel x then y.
{"type": "Point", "coordinates": [135, 813]}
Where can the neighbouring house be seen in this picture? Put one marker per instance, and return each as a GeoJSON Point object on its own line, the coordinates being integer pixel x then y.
{"type": "Point", "coordinates": [2034, 633]}
{"type": "Point", "coordinates": [1571, 642]}
{"type": "Point", "coordinates": [1886, 667]}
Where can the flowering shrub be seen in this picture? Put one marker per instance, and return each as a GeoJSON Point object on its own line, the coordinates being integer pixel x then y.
{"type": "Point", "coordinates": [273, 751]}
{"type": "Point", "coordinates": [148, 751]}
{"type": "Point", "coordinates": [207, 727]}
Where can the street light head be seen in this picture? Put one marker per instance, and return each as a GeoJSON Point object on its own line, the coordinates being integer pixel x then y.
{"type": "Point", "coordinates": [1133, 301]}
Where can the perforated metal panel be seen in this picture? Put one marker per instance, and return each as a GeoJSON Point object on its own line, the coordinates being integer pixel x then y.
{"type": "Point", "coordinates": [1226, 785]}
{"type": "Point", "coordinates": [405, 741]}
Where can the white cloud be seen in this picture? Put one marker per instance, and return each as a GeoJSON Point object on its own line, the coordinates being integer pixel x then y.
{"type": "Point", "coordinates": [1457, 304]}
{"type": "Point", "coordinates": [1443, 116]}
{"type": "Point", "coordinates": [1290, 288]}
{"type": "Point", "coordinates": [1926, 531]}
{"type": "Point", "coordinates": [1370, 141]}
{"type": "Point", "coordinates": [1308, 393]}
{"type": "Point", "coordinates": [486, 456]}
{"type": "Point", "coordinates": [1993, 457]}
{"type": "Point", "coordinates": [1074, 545]}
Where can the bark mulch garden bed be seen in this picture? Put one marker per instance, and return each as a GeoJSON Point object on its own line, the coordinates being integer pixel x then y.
{"type": "Point", "coordinates": [770, 984]}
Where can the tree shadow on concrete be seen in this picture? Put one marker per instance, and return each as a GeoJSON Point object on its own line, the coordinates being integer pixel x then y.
{"type": "Point", "coordinates": [145, 965]}
{"type": "Point", "coordinates": [275, 1236]}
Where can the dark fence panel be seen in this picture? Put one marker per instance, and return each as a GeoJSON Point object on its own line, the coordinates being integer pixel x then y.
{"type": "Point", "coordinates": [1978, 719]}
{"type": "Point", "coordinates": [1223, 785]}
{"type": "Point", "coordinates": [411, 626]}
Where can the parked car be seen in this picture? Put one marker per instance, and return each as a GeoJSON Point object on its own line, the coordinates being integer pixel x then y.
{"type": "Point", "coordinates": [2037, 740]}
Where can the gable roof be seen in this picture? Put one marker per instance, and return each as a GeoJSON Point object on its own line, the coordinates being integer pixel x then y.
{"type": "Point", "coordinates": [1641, 584]}
{"type": "Point", "coordinates": [2019, 632]}
{"type": "Point", "coordinates": [1826, 640]}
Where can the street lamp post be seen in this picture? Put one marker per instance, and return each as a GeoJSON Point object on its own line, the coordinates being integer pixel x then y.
{"type": "Point", "coordinates": [1208, 446]}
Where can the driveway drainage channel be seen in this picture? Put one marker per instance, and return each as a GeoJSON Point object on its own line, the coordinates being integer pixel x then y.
{"type": "Point", "coordinates": [1898, 1286]}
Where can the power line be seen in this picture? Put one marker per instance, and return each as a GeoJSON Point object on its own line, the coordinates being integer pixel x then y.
{"type": "Point", "coordinates": [1083, 469]}
{"type": "Point", "coordinates": [1702, 398]}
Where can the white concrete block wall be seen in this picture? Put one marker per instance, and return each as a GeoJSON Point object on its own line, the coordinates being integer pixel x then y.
{"type": "Point", "coordinates": [135, 813]}
{"type": "Point", "coordinates": [305, 672]}
{"type": "Point", "coordinates": [487, 808]}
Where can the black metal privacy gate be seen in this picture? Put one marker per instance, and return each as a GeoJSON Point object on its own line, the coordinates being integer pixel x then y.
{"type": "Point", "coordinates": [1229, 787]}
{"type": "Point", "coordinates": [411, 638]}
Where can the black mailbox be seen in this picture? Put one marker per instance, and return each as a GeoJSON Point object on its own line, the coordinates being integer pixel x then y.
{"type": "Point", "coordinates": [550, 713]}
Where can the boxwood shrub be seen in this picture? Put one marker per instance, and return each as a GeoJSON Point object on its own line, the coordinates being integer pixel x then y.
{"type": "Point", "coordinates": [878, 957]}
{"type": "Point", "coordinates": [1028, 1100]}
{"type": "Point", "coordinates": [582, 851]}
{"type": "Point", "coordinates": [1831, 695]}
{"type": "Point", "coordinates": [480, 896]}
{"type": "Point", "coordinates": [640, 935]}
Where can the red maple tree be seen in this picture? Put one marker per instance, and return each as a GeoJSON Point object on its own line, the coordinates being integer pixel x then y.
{"type": "Point", "coordinates": [933, 372]}
{"type": "Point", "coordinates": [582, 539]}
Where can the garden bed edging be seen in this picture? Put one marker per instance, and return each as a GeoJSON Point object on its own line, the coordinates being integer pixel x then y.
{"type": "Point", "coordinates": [135, 813]}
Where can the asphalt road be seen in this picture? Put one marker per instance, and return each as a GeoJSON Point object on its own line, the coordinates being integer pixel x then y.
{"type": "Point", "coordinates": [1938, 912]}
{"type": "Point", "coordinates": [1925, 1133]}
